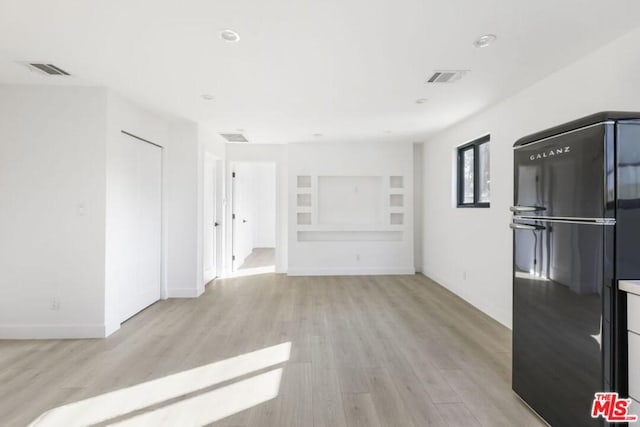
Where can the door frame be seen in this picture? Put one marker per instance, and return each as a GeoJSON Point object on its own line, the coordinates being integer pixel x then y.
{"type": "Point", "coordinates": [212, 162]}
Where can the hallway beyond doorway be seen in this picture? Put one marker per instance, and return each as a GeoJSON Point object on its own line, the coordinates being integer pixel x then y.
{"type": "Point", "coordinates": [259, 257]}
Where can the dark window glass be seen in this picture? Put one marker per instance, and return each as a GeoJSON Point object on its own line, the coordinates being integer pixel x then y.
{"type": "Point", "coordinates": [474, 174]}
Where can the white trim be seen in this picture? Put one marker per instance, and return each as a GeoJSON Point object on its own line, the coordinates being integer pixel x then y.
{"type": "Point", "coordinates": [185, 292]}
{"type": "Point", "coordinates": [110, 329]}
{"type": "Point", "coordinates": [69, 331]}
{"type": "Point", "coordinates": [209, 275]}
{"type": "Point", "coordinates": [392, 271]}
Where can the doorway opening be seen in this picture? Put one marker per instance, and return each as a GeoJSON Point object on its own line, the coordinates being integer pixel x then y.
{"type": "Point", "coordinates": [212, 214]}
{"type": "Point", "coordinates": [253, 217]}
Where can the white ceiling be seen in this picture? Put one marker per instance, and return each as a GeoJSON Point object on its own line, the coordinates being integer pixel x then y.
{"type": "Point", "coordinates": [349, 69]}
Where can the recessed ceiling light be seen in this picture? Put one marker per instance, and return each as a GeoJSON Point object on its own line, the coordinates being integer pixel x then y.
{"type": "Point", "coordinates": [207, 97]}
{"type": "Point", "coordinates": [421, 100]}
{"type": "Point", "coordinates": [229, 36]}
{"type": "Point", "coordinates": [317, 135]}
{"type": "Point", "coordinates": [485, 40]}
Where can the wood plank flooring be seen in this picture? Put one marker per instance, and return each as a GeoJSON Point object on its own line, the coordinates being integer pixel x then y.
{"type": "Point", "coordinates": [272, 350]}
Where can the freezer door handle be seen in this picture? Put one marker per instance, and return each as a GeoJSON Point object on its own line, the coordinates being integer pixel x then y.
{"type": "Point", "coordinates": [516, 226]}
{"type": "Point", "coordinates": [517, 209]}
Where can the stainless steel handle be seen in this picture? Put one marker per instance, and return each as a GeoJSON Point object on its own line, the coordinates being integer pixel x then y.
{"type": "Point", "coordinates": [526, 208]}
{"type": "Point", "coordinates": [516, 226]}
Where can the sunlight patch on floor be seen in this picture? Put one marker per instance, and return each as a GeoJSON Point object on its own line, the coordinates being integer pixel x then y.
{"type": "Point", "coordinates": [253, 271]}
{"type": "Point", "coordinates": [531, 276]}
{"type": "Point", "coordinates": [213, 406]}
{"type": "Point", "coordinates": [197, 386]}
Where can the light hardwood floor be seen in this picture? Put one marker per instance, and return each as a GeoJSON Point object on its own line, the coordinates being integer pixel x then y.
{"type": "Point", "coordinates": [273, 350]}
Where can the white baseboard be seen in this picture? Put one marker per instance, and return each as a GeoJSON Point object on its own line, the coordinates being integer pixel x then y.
{"type": "Point", "coordinates": [209, 275]}
{"type": "Point", "coordinates": [36, 332]}
{"type": "Point", "coordinates": [375, 271]}
{"type": "Point", "coordinates": [110, 329]}
{"type": "Point", "coordinates": [185, 293]}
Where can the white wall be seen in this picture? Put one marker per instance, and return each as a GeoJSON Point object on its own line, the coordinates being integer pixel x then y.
{"type": "Point", "coordinates": [351, 257]}
{"type": "Point", "coordinates": [478, 242]}
{"type": "Point", "coordinates": [185, 178]}
{"type": "Point", "coordinates": [57, 247]}
{"type": "Point", "coordinates": [52, 211]}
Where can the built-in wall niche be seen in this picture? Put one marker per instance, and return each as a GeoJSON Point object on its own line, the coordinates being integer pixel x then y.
{"type": "Point", "coordinates": [396, 218]}
{"type": "Point", "coordinates": [304, 200]}
{"type": "Point", "coordinates": [304, 218]}
{"type": "Point", "coordinates": [304, 181]}
{"type": "Point", "coordinates": [350, 201]}
{"type": "Point", "coordinates": [396, 200]}
{"type": "Point", "coordinates": [396, 182]}
{"type": "Point", "coordinates": [349, 236]}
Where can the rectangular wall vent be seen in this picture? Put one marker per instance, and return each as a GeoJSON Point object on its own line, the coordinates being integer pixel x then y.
{"type": "Point", "coordinates": [234, 137]}
{"type": "Point", "coordinates": [48, 69]}
{"type": "Point", "coordinates": [446, 76]}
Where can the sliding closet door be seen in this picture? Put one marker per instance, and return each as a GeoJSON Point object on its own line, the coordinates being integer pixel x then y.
{"type": "Point", "coordinates": [139, 207]}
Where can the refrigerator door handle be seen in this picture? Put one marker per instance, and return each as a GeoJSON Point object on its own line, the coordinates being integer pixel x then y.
{"type": "Point", "coordinates": [517, 209]}
{"type": "Point", "coordinates": [517, 226]}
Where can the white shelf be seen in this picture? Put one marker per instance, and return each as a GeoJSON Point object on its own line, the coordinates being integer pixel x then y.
{"type": "Point", "coordinates": [396, 200]}
{"type": "Point", "coordinates": [304, 218]}
{"type": "Point", "coordinates": [396, 218]}
{"type": "Point", "coordinates": [396, 182]}
{"type": "Point", "coordinates": [303, 199]}
{"type": "Point", "coordinates": [350, 236]}
{"type": "Point", "coordinates": [304, 181]}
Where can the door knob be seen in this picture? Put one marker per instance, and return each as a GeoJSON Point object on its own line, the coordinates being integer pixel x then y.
{"type": "Point", "coordinates": [215, 224]}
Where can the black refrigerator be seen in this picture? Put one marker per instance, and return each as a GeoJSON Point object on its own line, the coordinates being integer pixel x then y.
{"type": "Point", "coordinates": [576, 232]}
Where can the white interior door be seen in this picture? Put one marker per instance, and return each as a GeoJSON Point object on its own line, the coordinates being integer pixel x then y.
{"type": "Point", "coordinates": [210, 220]}
{"type": "Point", "coordinates": [242, 193]}
{"type": "Point", "coordinates": [139, 203]}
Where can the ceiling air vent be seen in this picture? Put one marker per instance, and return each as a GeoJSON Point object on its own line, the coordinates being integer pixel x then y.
{"type": "Point", "coordinates": [446, 76]}
{"type": "Point", "coordinates": [48, 69]}
{"type": "Point", "coordinates": [234, 137]}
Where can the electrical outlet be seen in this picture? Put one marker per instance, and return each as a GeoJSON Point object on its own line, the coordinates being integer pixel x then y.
{"type": "Point", "coordinates": [357, 257]}
{"type": "Point", "coordinates": [55, 304]}
{"type": "Point", "coordinates": [464, 275]}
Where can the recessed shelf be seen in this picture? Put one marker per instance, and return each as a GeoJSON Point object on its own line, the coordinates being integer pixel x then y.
{"type": "Point", "coordinates": [396, 218]}
{"type": "Point", "coordinates": [304, 218]}
{"type": "Point", "coordinates": [304, 181]}
{"type": "Point", "coordinates": [349, 236]}
{"type": "Point", "coordinates": [396, 200]}
{"type": "Point", "coordinates": [304, 199]}
{"type": "Point", "coordinates": [396, 182]}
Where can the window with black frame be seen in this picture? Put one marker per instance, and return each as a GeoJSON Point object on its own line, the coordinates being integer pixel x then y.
{"type": "Point", "coordinates": [474, 177]}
